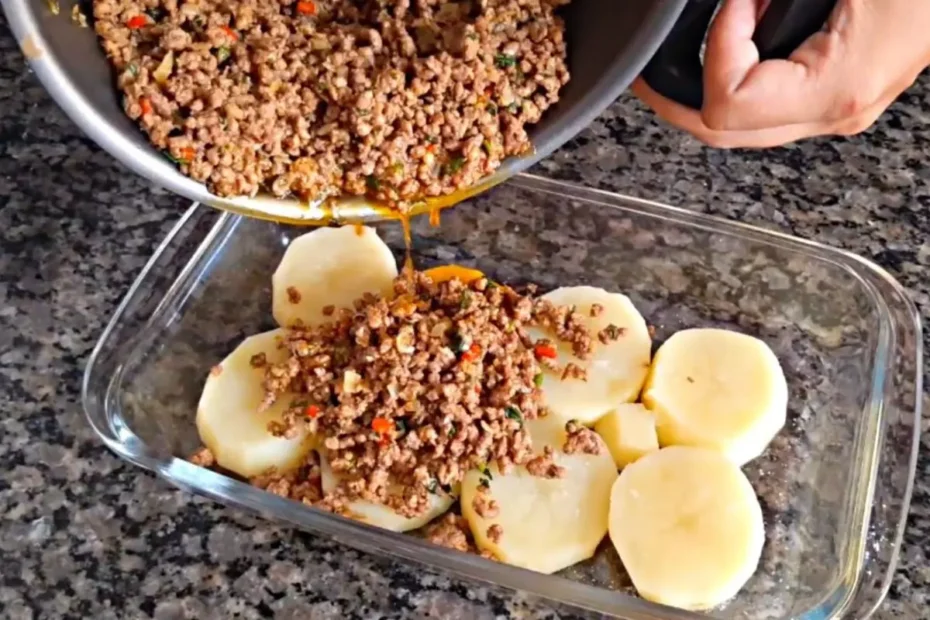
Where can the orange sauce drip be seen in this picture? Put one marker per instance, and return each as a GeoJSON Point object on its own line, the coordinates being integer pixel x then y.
{"type": "Point", "coordinates": [434, 217]}
{"type": "Point", "coordinates": [359, 229]}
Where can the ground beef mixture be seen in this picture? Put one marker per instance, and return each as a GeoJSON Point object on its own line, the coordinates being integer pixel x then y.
{"type": "Point", "coordinates": [395, 99]}
{"type": "Point", "coordinates": [410, 393]}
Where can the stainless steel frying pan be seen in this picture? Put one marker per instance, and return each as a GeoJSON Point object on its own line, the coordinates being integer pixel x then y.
{"type": "Point", "coordinates": [610, 42]}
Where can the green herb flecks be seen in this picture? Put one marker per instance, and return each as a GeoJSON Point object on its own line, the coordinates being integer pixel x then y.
{"type": "Point", "coordinates": [372, 183]}
{"type": "Point", "coordinates": [514, 414]}
{"type": "Point", "coordinates": [222, 54]}
{"type": "Point", "coordinates": [538, 379]}
{"type": "Point", "coordinates": [453, 165]}
{"type": "Point", "coordinates": [505, 61]}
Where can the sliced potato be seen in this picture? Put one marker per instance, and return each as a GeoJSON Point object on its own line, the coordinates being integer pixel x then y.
{"type": "Point", "coordinates": [687, 525]}
{"type": "Point", "coordinates": [717, 389]}
{"type": "Point", "coordinates": [615, 371]}
{"type": "Point", "coordinates": [228, 419]}
{"type": "Point", "coordinates": [630, 433]}
{"type": "Point", "coordinates": [382, 516]}
{"type": "Point", "coordinates": [330, 267]}
{"type": "Point", "coordinates": [544, 524]}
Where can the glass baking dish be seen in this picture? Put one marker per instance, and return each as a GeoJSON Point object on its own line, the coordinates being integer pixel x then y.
{"type": "Point", "coordinates": [834, 485]}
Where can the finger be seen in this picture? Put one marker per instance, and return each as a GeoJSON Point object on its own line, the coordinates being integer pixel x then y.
{"type": "Point", "coordinates": [730, 53]}
{"type": "Point", "coordinates": [690, 121]}
{"type": "Point", "coordinates": [743, 94]}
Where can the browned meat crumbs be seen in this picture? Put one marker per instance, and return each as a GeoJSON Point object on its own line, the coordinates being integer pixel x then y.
{"type": "Point", "coordinates": [451, 531]}
{"type": "Point", "coordinates": [78, 17]}
{"type": "Point", "coordinates": [596, 310]}
{"type": "Point", "coordinates": [574, 371]}
{"type": "Point", "coordinates": [259, 360]}
{"type": "Point", "coordinates": [581, 439]}
{"type": "Point", "coordinates": [203, 457]}
{"type": "Point", "coordinates": [494, 533]}
{"type": "Point", "coordinates": [611, 333]}
{"type": "Point", "coordinates": [543, 466]}
{"type": "Point", "coordinates": [216, 371]}
{"type": "Point", "coordinates": [293, 295]}
{"type": "Point", "coordinates": [329, 310]}
{"type": "Point", "coordinates": [303, 484]}
{"type": "Point", "coordinates": [486, 507]}
{"type": "Point", "coordinates": [417, 390]}
{"type": "Point", "coordinates": [394, 99]}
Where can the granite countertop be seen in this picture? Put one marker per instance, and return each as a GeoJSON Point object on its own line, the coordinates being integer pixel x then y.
{"type": "Point", "coordinates": [83, 534]}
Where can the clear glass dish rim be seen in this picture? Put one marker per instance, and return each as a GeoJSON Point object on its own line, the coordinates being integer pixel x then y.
{"type": "Point", "coordinates": [125, 444]}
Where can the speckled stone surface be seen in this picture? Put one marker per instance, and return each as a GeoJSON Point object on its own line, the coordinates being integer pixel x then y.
{"type": "Point", "coordinates": [83, 534]}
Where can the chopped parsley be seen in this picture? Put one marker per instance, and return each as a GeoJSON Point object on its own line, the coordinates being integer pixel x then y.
{"type": "Point", "coordinates": [133, 69]}
{"type": "Point", "coordinates": [465, 302]}
{"type": "Point", "coordinates": [454, 165]}
{"type": "Point", "coordinates": [514, 414]}
{"type": "Point", "coordinates": [156, 14]}
{"type": "Point", "coordinates": [453, 430]}
{"type": "Point", "coordinates": [372, 183]}
{"type": "Point", "coordinates": [513, 108]}
{"type": "Point", "coordinates": [486, 473]}
{"type": "Point", "coordinates": [174, 160]}
{"type": "Point", "coordinates": [484, 483]}
{"type": "Point", "coordinates": [538, 379]}
{"type": "Point", "coordinates": [492, 108]}
{"type": "Point", "coordinates": [433, 486]}
{"type": "Point", "coordinates": [504, 61]}
{"type": "Point", "coordinates": [401, 425]}
{"type": "Point", "coordinates": [222, 54]}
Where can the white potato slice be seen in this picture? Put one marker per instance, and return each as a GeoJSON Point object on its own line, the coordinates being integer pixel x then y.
{"type": "Point", "coordinates": [687, 525]}
{"type": "Point", "coordinates": [545, 524]}
{"type": "Point", "coordinates": [615, 371]}
{"type": "Point", "coordinates": [380, 515]}
{"type": "Point", "coordinates": [629, 431]}
{"type": "Point", "coordinates": [228, 419]}
{"type": "Point", "coordinates": [717, 389]}
{"type": "Point", "coordinates": [330, 267]}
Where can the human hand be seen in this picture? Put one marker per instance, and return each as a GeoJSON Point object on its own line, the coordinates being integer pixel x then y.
{"type": "Point", "coordinates": [838, 82]}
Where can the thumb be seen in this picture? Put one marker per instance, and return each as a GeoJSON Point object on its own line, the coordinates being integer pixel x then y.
{"type": "Point", "coordinates": [740, 93]}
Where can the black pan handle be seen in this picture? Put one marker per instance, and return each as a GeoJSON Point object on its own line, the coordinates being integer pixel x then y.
{"type": "Point", "coordinates": [676, 72]}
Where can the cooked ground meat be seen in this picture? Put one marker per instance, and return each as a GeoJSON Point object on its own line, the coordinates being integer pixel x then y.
{"type": "Point", "coordinates": [203, 457]}
{"type": "Point", "coordinates": [412, 392]}
{"type": "Point", "coordinates": [451, 530]}
{"type": "Point", "coordinates": [611, 333]}
{"type": "Point", "coordinates": [486, 507]}
{"type": "Point", "coordinates": [395, 99]}
{"type": "Point", "coordinates": [581, 439]}
{"type": "Point", "coordinates": [302, 484]}
{"type": "Point", "coordinates": [495, 532]}
{"type": "Point", "coordinates": [543, 466]}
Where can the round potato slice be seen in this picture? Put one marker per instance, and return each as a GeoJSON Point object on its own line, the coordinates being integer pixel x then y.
{"type": "Point", "coordinates": [382, 516]}
{"type": "Point", "coordinates": [330, 267]}
{"type": "Point", "coordinates": [542, 524]}
{"type": "Point", "coordinates": [615, 371]}
{"type": "Point", "coordinates": [228, 419]}
{"type": "Point", "coordinates": [717, 389]}
{"type": "Point", "coordinates": [687, 526]}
